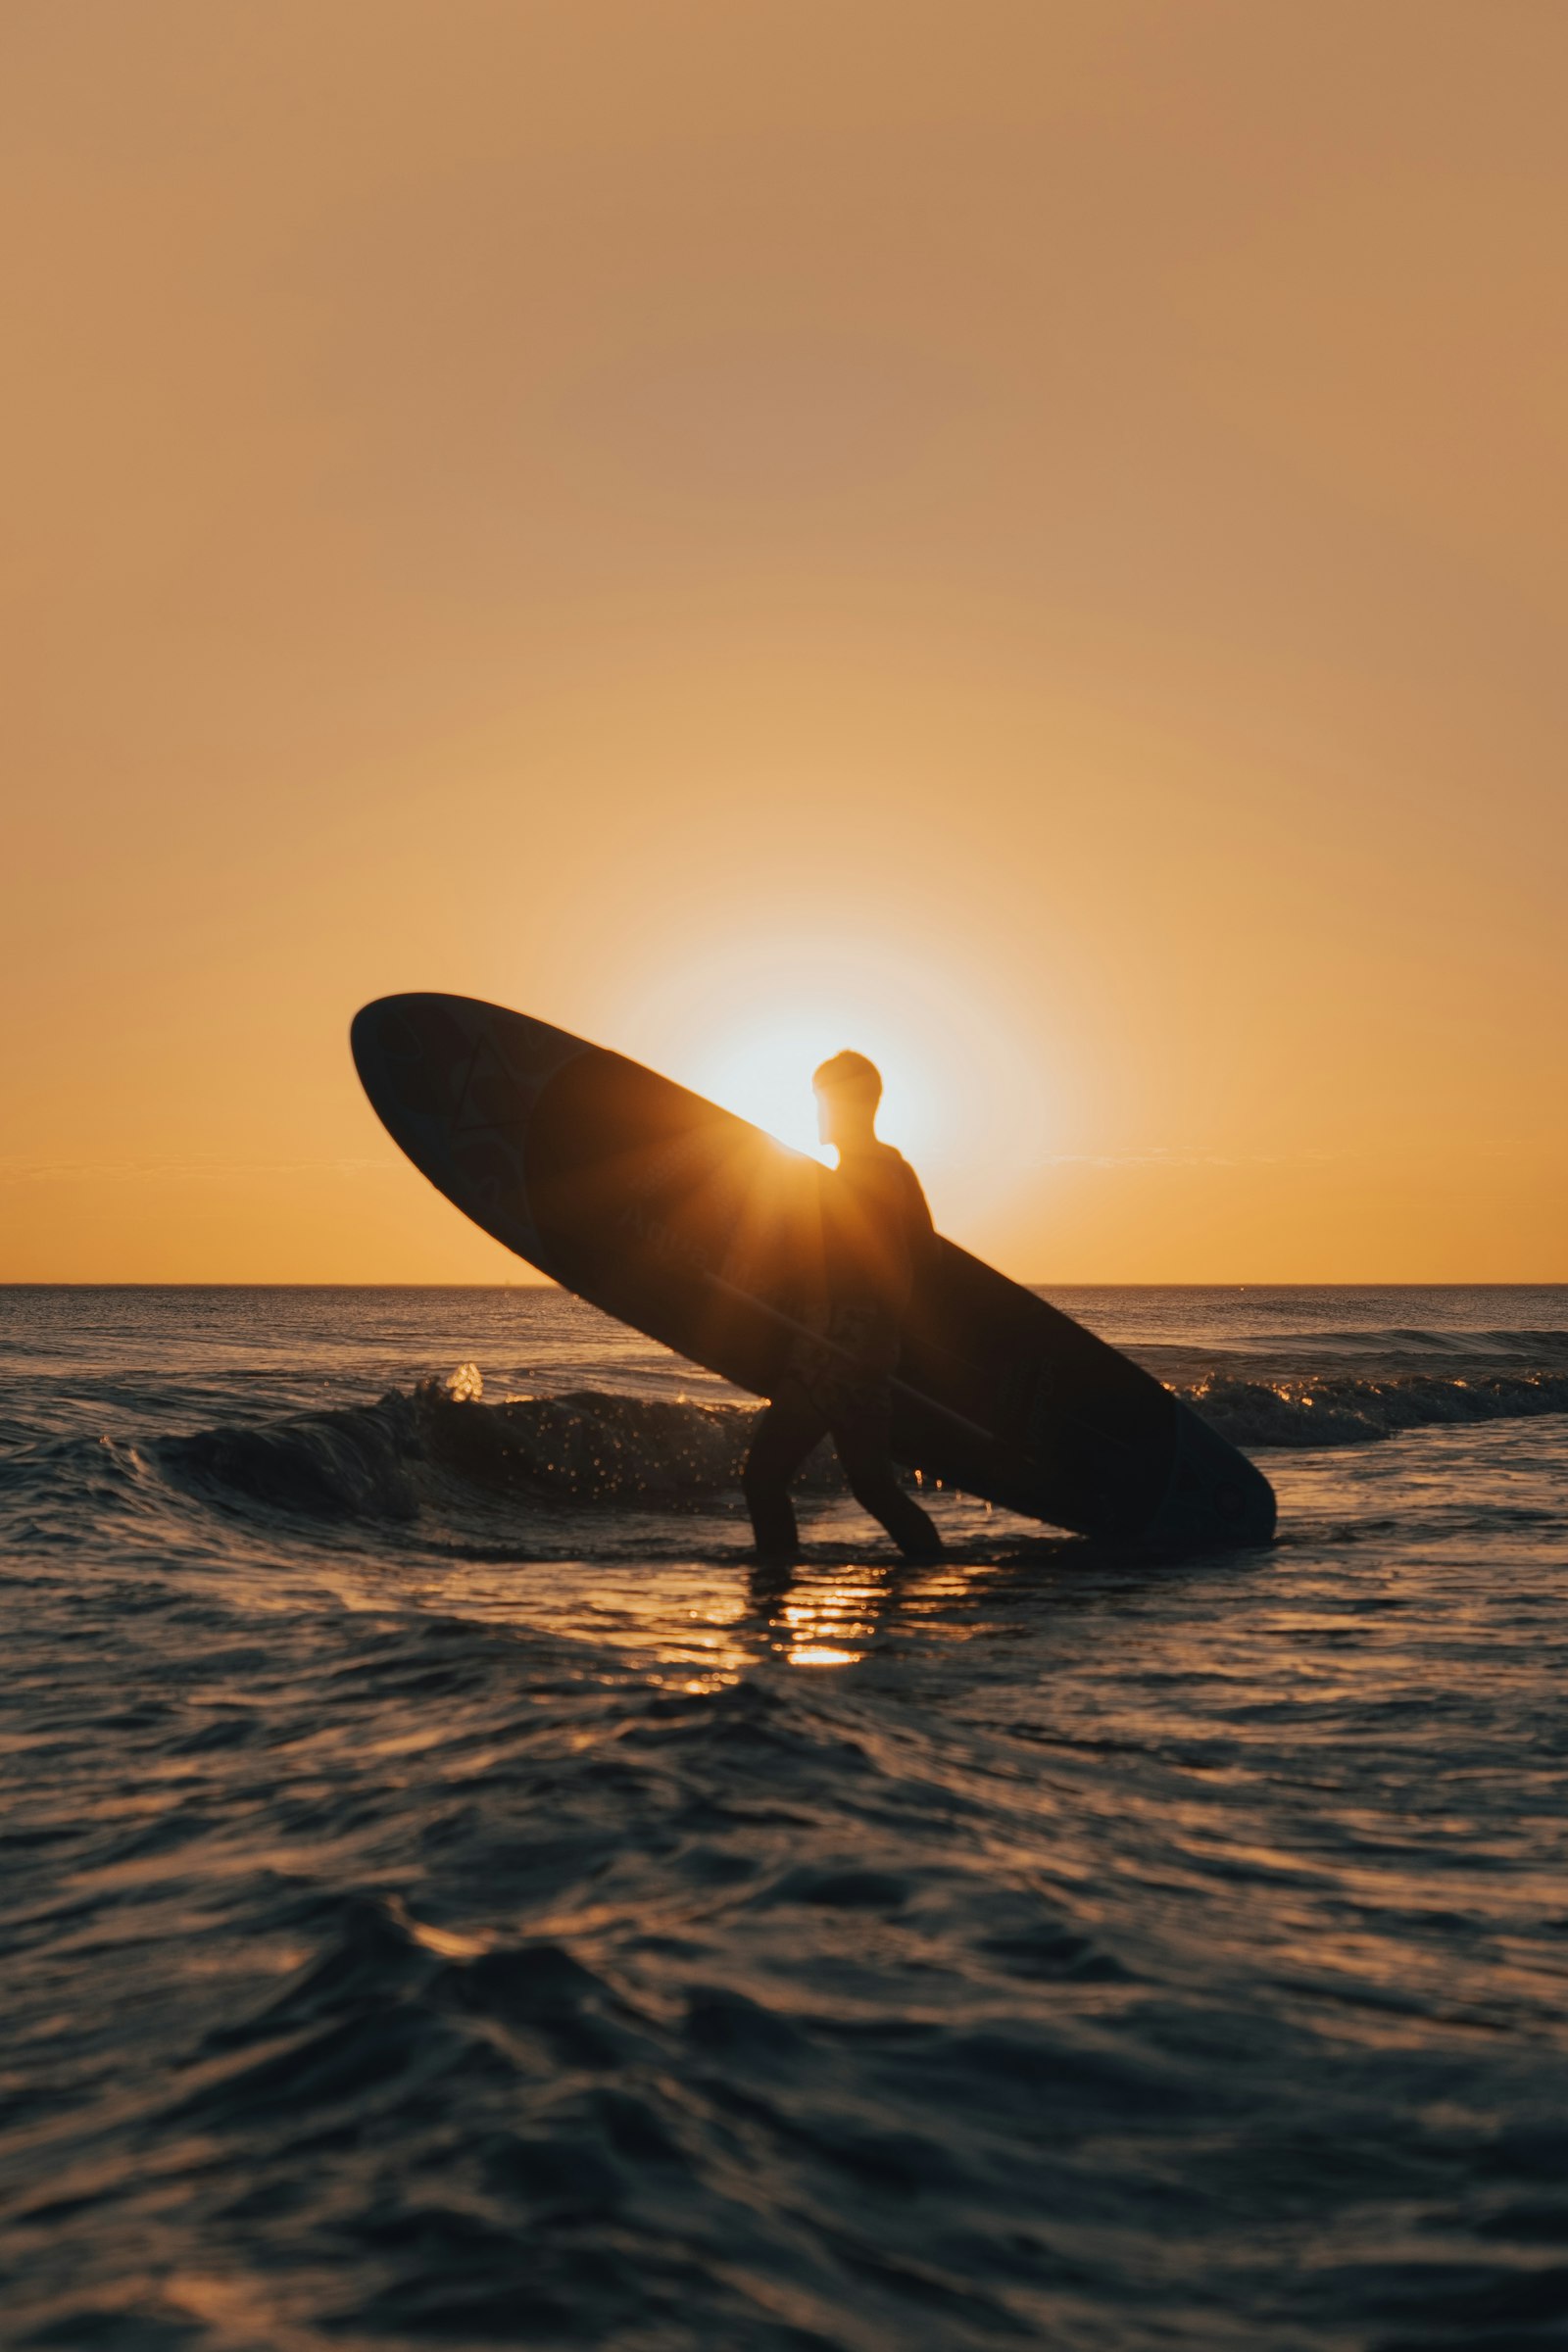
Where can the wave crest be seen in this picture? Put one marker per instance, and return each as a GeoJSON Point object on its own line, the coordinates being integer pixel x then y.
{"type": "Point", "coordinates": [1344, 1410]}
{"type": "Point", "coordinates": [384, 1460]}
{"type": "Point", "coordinates": [441, 1441]}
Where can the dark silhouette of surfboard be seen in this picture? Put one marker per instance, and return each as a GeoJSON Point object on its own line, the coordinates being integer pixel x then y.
{"type": "Point", "coordinates": [704, 1233]}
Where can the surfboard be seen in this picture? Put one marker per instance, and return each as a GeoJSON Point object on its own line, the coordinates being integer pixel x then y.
{"type": "Point", "coordinates": [703, 1232]}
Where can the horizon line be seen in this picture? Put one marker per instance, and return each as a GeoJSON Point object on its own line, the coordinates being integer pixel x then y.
{"type": "Point", "coordinates": [1403, 1282]}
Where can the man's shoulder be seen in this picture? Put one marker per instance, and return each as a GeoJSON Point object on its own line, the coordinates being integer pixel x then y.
{"type": "Point", "coordinates": [899, 1171]}
{"type": "Point", "coordinates": [882, 1162]}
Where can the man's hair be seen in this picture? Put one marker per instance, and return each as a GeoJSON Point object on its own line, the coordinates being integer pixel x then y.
{"type": "Point", "coordinates": [850, 1074]}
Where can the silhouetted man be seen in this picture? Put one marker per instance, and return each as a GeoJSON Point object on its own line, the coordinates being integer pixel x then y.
{"type": "Point", "coordinates": [877, 1227]}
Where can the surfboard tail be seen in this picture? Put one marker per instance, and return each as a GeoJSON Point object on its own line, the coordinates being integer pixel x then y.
{"type": "Point", "coordinates": [1215, 1496]}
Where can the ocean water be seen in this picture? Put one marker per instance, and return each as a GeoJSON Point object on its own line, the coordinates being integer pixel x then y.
{"type": "Point", "coordinates": [449, 1900]}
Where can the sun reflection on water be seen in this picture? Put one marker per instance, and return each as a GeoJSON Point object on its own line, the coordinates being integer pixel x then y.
{"type": "Point", "coordinates": [830, 1622]}
{"type": "Point", "coordinates": [709, 1618]}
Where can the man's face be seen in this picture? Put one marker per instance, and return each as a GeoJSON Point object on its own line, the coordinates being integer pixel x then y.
{"type": "Point", "coordinates": [841, 1116]}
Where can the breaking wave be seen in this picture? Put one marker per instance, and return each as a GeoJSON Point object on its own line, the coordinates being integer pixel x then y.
{"type": "Point", "coordinates": [385, 1461]}
{"type": "Point", "coordinates": [1345, 1410]}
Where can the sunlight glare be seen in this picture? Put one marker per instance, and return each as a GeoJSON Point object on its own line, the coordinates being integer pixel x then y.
{"type": "Point", "coordinates": [765, 1075]}
{"type": "Point", "coordinates": [746, 1025]}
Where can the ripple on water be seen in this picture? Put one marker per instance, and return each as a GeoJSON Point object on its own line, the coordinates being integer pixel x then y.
{"type": "Point", "coordinates": [443, 1910]}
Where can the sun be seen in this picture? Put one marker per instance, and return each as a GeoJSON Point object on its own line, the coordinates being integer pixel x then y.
{"type": "Point", "coordinates": [747, 1023]}
{"type": "Point", "coordinates": [763, 1072]}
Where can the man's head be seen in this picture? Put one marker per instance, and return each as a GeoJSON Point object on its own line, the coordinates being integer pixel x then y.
{"type": "Point", "coordinates": [848, 1090]}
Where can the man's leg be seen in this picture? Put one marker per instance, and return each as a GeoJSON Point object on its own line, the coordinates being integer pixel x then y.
{"type": "Point", "coordinates": [862, 1439]}
{"type": "Point", "coordinates": [783, 1438]}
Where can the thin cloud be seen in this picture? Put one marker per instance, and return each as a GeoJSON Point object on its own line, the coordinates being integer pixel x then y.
{"type": "Point", "coordinates": [1173, 1156]}
{"type": "Point", "coordinates": [177, 1171]}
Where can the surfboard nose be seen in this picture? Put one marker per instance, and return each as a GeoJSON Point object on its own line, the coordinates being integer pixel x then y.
{"type": "Point", "coordinates": [393, 1060]}
{"type": "Point", "coordinates": [373, 1032]}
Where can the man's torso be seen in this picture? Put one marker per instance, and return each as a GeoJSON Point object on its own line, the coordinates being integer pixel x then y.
{"type": "Point", "coordinates": [876, 1225]}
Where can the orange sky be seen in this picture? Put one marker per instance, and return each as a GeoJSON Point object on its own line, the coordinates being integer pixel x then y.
{"type": "Point", "coordinates": [1032, 530]}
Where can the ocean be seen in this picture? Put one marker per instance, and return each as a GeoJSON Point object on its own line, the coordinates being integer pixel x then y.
{"type": "Point", "coordinates": [450, 1900]}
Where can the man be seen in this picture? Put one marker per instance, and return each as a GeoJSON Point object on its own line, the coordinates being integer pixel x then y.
{"type": "Point", "coordinates": [877, 1226]}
